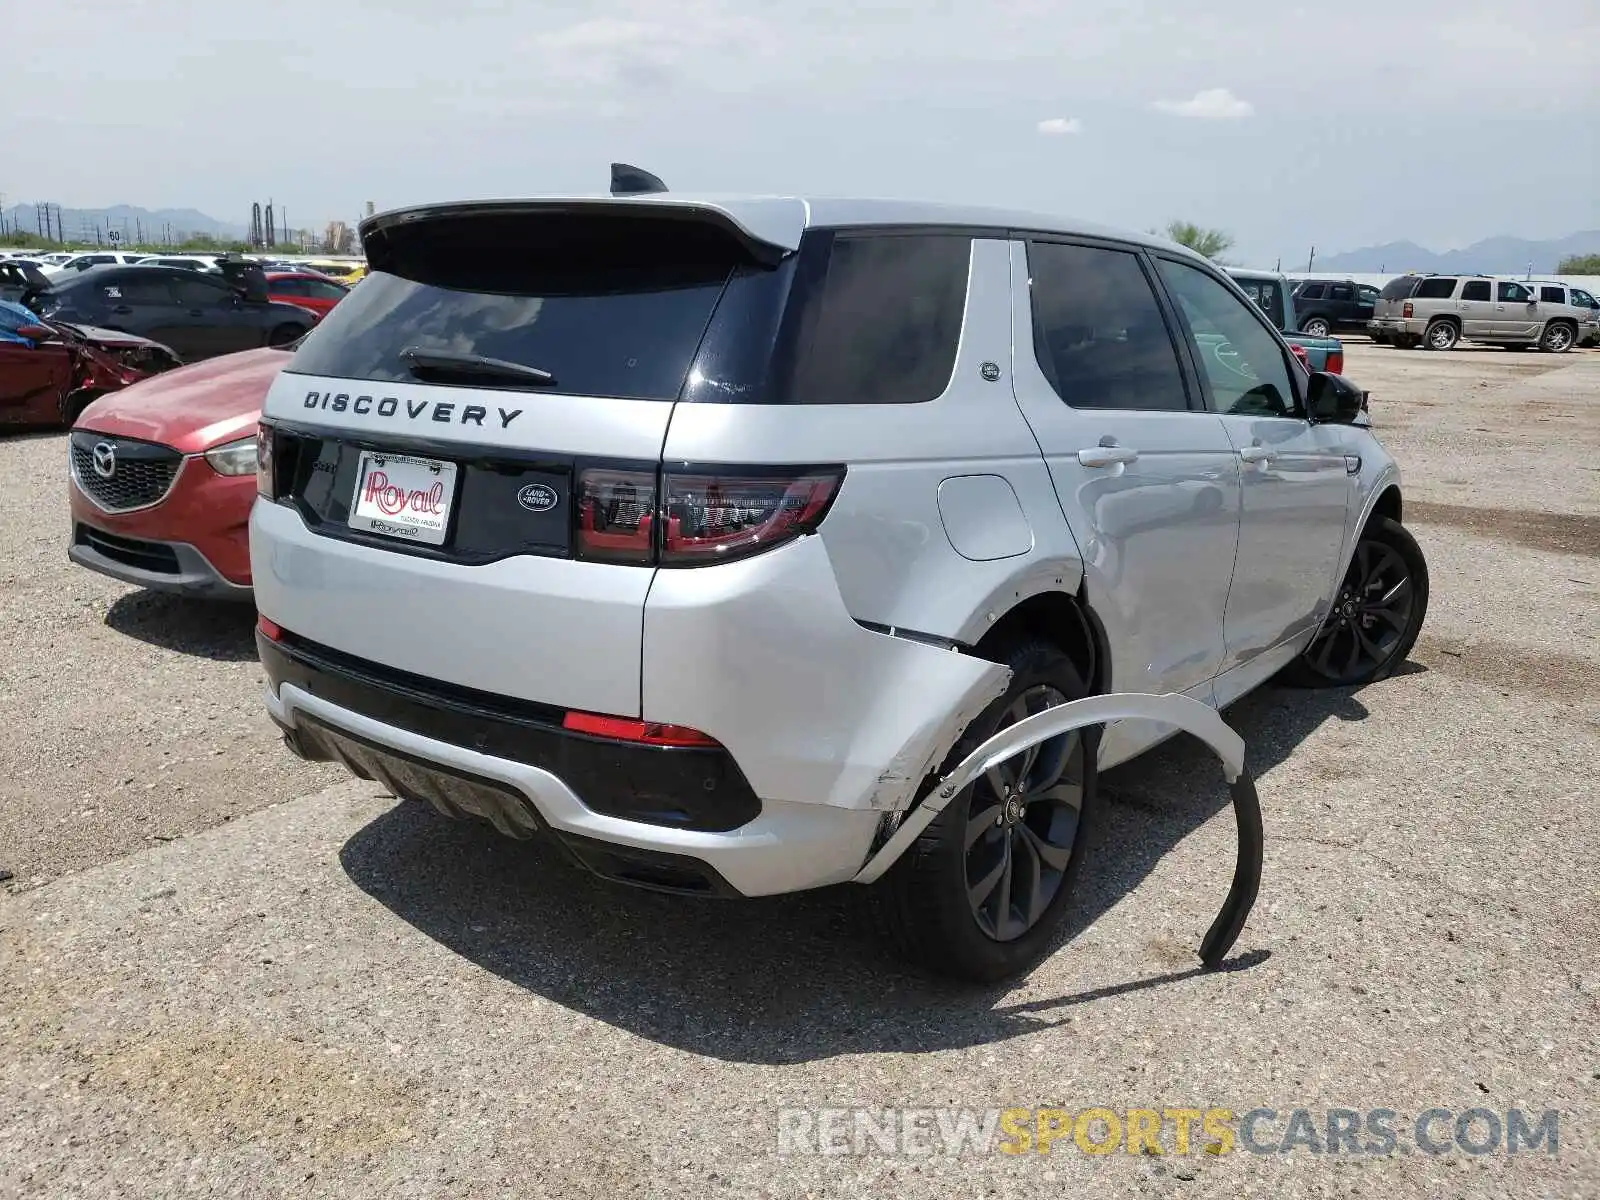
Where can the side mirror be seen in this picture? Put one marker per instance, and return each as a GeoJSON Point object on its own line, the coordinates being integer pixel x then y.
{"type": "Point", "coordinates": [1333, 399]}
{"type": "Point", "coordinates": [35, 333]}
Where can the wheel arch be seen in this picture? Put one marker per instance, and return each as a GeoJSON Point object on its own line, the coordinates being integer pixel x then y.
{"type": "Point", "coordinates": [1062, 618]}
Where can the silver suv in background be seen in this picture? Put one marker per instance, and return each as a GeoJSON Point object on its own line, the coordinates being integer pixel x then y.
{"type": "Point", "coordinates": [1583, 307]}
{"type": "Point", "coordinates": [704, 536]}
{"type": "Point", "coordinates": [1437, 311]}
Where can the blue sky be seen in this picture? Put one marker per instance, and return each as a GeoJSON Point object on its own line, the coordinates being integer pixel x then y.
{"type": "Point", "coordinates": [1286, 124]}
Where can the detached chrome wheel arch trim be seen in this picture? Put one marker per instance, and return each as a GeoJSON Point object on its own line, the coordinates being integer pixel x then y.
{"type": "Point", "coordinates": [1189, 715]}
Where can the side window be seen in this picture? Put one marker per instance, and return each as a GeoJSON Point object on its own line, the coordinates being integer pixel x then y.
{"type": "Point", "coordinates": [1341, 291]}
{"type": "Point", "coordinates": [1244, 363]}
{"type": "Point", "coordinates": [196, 293]}
{"type": "Point", "coordinates": [888, 322]}
{"type": "Point", "coordinates": [1367, 294]}
{"type": "Point", "coordinates": [1552, 295]}
{"type": "Point", "coordinates": [324, 291]}
{"type": "Point", "coordinates": [1515, 293]}
{"type": "Point", "coordinates": [1098, 330]}
{"type": "Point", "coordinates": [289, 287]}
{"type": "Point", "coordinates": [1475, 289]}
{"type": "Point", "coordinates": [1436, 289]}
{"type": "Point", "coordinates": [1311, 291]}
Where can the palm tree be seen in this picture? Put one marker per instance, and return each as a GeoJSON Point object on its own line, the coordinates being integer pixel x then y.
{"type": "Point", "coordinates": [1209, 242]}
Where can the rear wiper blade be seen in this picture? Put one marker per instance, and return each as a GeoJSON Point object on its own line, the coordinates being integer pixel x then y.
{"type": "Point", "coordinates": [420, 362]}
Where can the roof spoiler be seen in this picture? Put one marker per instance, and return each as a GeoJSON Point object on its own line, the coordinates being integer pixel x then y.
{"type": "Point", "coordinates": [629, 180]}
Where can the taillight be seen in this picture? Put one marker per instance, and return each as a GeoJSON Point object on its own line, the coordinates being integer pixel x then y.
{"type": "Point", "coordinates": [628, 729]}
{"type": "Point", "coordinates": [616, 515]}
{"type": "Point", "coordinates": [718, 517]}
{"type": "Point", "coordinates": [698, 517]}
{"type": "Point", "coordinates": [269, 628]}
{"type": "Point", "coordinates": [1406, 310]}
{"type": "Point", "coordinates": [264, 482]}
{"type": "Point", "coordinates": [1335, 362]}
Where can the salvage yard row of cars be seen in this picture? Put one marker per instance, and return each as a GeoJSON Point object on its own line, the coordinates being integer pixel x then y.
{"type": "Point", "coordinates": [916, 475]}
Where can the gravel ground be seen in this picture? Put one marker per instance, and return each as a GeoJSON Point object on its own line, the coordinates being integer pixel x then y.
{"type": "Point", "coordinates": [339, 995]}
{"type": "Point", "coordinates": [129, 717]}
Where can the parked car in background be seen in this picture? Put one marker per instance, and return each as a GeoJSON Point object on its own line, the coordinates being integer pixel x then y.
{"type": "Point", "coordinates": [49, 372]}
{"type": "Point", "coordinates": [780, 504]}
{"type": "Point", "coordinates": [90, 259]}
{"type": "Point", "coordinates": [162, 477]}
{"type": "Point", "coordinates": [1438, 311]}
{"type": "Point", "coordinates": [1582, 306]}
{"type": "Point", "coordinates": [23, 281]}
{"type": "Point", "coordinates": [1327, 306]}
{"type": "Point", "coordinates": [1273, 294]}
{"type": "Point", "coordinates": [347, 273]}
{"type": "Point", "coordinates": [313, 292]}
{"type": "Point", "coordinates": [199, 315]}
{"type": "Point", "coordinates": [186, 262]}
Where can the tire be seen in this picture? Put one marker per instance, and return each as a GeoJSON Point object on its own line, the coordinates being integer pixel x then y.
{"type": "Point", "coordinates": [282, 335]}
{"type": "Point", "coordinates": [1382, 339]}
{"type": "Point", "coordinates": [1316, 327]}
{"type": "Point", "coordinates": [1376, 614]}
{"type": "Point", "coordinates": [924, 902]}
{"type": "Point", "coordinates": [1558, 338]}
{"type": "Point", "coordinates": [1441, 335]}
{"type": "Point", "coordinates": [73, 404]}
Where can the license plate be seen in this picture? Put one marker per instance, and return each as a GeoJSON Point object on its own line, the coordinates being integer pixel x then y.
{"type": "Point", "coordinates": [403, 497]}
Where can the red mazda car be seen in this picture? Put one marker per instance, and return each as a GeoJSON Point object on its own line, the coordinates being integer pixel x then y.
{"type": "Point", "coordinates": [163, 475]}
{"type": "Point", "coordinates": [315, 293]}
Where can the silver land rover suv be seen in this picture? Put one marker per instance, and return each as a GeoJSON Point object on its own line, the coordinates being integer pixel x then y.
{"type": "Point", "coordinates": [702, 534]}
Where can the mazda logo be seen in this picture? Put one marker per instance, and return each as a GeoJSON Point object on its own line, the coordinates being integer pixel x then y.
{"type": "Point", "coordinates": [105, 460]}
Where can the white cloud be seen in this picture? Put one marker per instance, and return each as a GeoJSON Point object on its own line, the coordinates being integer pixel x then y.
{"type": "Point", "coordinates": [1211, 104]}
{"type": "Point", "coordinates": [1060, 125]}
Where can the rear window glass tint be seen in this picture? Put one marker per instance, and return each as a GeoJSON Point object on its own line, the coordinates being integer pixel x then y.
{"type": "Point", "coordinates": [624, 330]}
{"type": "Point", "coordinates": [1311, 291]}
{"type": "Point", "coordinates": [1475, 289]}
{"type": "Point", "coordinates": [1554, 295]}
{"type": "Point", "coordinates": [1435, 289]}
{"type": "Point", "coordinates": [888, 320]}
{"type": "Point", "coordinates": [1399, 289]}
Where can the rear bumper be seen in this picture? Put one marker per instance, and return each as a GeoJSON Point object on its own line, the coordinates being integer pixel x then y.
{"type": "Point", "coordinates": [788, 847]}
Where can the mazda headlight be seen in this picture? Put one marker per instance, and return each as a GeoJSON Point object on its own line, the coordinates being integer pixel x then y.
{"type": "Point", "coordinates": [234, 458]}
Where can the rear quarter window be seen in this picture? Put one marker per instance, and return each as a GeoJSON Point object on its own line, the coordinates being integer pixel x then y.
{"type": "Point", "coordinates": [1435, 289]}
{"type": "Point", "coordinates": [886, 324]}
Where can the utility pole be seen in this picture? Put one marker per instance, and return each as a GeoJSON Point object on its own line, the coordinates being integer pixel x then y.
{"type": "Point", "coordinates": [1312, 259]}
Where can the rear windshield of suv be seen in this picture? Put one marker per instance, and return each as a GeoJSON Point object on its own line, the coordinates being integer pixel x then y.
{"type": "Point", "coordinates": [626, 306]}
{"type": "Point", "coordinates": [1435, 289]}
{"type": "Point", "coordinates": [1399, 289]}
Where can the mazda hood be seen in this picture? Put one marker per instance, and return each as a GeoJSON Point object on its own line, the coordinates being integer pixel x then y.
{"type": "Point", "coordinates": [191, 408]}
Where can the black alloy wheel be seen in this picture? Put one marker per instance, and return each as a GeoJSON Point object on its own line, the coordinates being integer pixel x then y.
{"type": "Point", "coordinates": [1377, 612]}
{"type": "Point", "coordinates": [1022, 823]}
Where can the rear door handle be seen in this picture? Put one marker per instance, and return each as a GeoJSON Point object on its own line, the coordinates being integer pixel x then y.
{"type": "Point", "coordinates": [1256, 454]}
{"type": "Point", "coordinates": [1107, 456]}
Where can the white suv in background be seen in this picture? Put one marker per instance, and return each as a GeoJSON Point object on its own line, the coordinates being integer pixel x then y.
{"type": "Point", "coordinates": [702, 534]}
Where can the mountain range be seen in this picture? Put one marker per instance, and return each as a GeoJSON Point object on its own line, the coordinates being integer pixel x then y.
{"type": "Point", "coordinates": [161, 224]}
{"type": "Point", "coordinates": [1492, 256]}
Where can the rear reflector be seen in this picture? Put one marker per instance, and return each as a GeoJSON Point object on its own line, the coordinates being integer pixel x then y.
{"type": "Point", "coordinates": [626, 729]}
{"type": "Point", "coordinates": [270, 629]}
